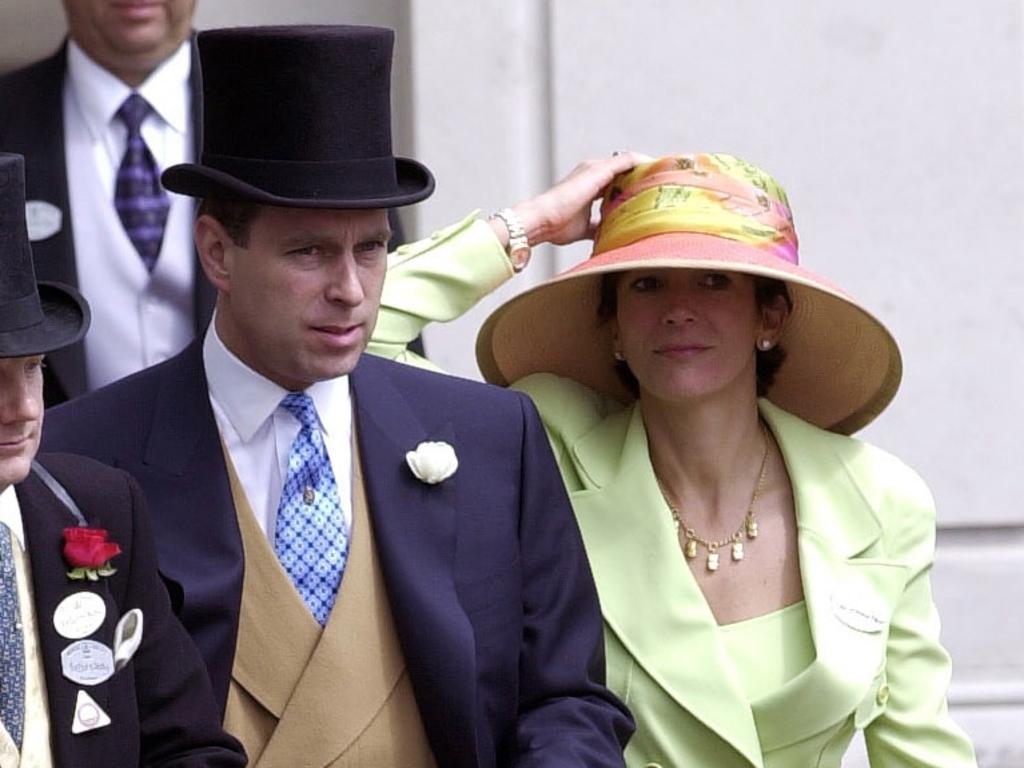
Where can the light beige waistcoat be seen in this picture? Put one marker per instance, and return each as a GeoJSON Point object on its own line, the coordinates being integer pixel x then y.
{"type": "Point", "coordinates": [306, 697]}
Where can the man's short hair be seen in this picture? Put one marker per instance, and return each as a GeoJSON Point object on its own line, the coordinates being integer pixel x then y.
{"type": "Point", "coordinates": [236, 216]}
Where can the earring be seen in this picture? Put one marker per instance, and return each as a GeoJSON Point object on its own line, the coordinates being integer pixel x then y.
{"type": "Point", "coordinates": [764, 344]}
{"type": "Point", "coordinates": [619, 357]}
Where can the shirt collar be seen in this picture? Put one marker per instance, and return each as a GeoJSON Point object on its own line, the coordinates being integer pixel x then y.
{"type": "Point", "coordinates": [248, 398]}
{"type": "Point", "coordinates": [99, 93]}
{"type": "Point", "coordinates": [10, 514]}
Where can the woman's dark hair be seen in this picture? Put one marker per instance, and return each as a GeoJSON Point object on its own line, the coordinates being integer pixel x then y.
{"type": "Point", "coordinates": [767, 291]}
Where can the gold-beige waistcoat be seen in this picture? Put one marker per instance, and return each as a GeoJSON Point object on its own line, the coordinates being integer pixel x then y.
{"type": "Point", "coordinates": [306, 697]}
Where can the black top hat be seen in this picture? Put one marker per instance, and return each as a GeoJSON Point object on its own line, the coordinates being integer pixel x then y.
{"type": "Point", "coordinates": [33, 318]}
{"type": "Point", "coordinates": [299, 117]}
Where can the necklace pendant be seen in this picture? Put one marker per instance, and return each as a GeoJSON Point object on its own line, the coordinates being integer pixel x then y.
{"type": "Point", "coordinates": [690, 549]}
{"type": "Point", "coordinates": [751, 527]}
{"type": "Point", "coordinates": [713, 561]}
{"type": "Point", "coordinates": [737, 551]}
{"type": "Point", "coordinates": [307, 494]}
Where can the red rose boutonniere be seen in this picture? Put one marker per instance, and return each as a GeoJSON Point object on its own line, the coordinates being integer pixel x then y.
{"type": "Point", "coordinates": [88, 553]}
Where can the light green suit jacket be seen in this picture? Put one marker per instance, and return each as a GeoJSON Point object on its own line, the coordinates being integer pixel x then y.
{"type": "Point", "coordinates": [866, 529]}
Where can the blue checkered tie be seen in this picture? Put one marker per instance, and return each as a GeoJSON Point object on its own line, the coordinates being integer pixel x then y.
{"type": "Point", "coordinates": [12, 648]}
{"type": "Point", "coordinates": [139, 199]}
{"type": "Point", "coordinates": [311, 538]}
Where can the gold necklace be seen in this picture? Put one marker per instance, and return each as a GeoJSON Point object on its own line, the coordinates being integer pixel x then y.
{"type": "Point", "coordinates": [748, 527]}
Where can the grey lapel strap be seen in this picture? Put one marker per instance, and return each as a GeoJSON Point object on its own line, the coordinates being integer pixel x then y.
{"type": "Point", "coordinates": [59, 491]}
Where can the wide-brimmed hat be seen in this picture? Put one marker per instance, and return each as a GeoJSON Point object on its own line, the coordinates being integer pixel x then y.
{"type": "Point", "coordinates": [34, 318]}
{"type": "Point", "coordinates": [705, 212]}
{"type": "Point", "coordinates": [300, 117]}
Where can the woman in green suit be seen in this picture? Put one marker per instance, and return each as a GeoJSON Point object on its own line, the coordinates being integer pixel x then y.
{"type": "Point", "coordinates": [763, 576]}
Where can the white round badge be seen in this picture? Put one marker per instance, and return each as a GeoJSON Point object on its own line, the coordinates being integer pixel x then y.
{"type": "Point", "coordinates": [79, 615]}
{"type": "Point", "coordinates": [43, 219]}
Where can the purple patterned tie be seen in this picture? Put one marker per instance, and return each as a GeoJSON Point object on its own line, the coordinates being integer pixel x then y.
{"type": "Point", "coordinates": [139, 199]}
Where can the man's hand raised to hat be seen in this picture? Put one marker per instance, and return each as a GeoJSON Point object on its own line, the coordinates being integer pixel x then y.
{"type": "Point", "coordinates": [563, 214]}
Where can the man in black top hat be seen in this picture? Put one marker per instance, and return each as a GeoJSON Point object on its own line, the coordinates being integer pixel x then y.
{"type": "Point", "coordinates": [78, 686]}
{"type": "Point", "coordinates": [379, 564]}
{"type": "Point", "coordinates": [64, 114]}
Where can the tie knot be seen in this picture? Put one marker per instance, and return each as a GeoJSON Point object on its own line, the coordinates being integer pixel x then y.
{"type": "Point", "coordinates": [300, 405]}
{"type": "Point", "coordinates": [133, 111]}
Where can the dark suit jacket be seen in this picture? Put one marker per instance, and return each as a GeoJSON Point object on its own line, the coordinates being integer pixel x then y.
{"type": "Point", "coordinates": [490, 589]}
{"type": "Point", "coordinates": [161, 707]}
{"type": "Point", "coordinates": [32, 124]}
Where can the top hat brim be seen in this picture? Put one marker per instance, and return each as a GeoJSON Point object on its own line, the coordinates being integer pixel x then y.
{"type": "Point", "coordinates": [65, 320]}
{"type": "Point", "coordinates": [414, 182]}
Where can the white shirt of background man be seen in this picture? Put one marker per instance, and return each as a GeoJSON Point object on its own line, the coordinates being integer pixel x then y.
{"type": "Point", "coordinates": [138, 318]}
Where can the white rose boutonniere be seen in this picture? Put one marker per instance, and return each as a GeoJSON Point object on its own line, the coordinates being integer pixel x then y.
{"type": "Point", "coordinates": [432, 462]}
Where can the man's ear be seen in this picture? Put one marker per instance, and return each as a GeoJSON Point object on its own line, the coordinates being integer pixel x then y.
{"type": "Point", "coordinates": [213, 245]}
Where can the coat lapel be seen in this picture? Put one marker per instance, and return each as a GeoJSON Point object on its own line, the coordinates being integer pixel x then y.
{"type": "Point", "coordinates": [414, 524]}
{"type": "Point", "coordinates": [44, 519]}
{"type": "Point", "coordinates": [194, 521]}
{"type": "Point", "coordinates": [648, 597]}
{"type": "Point", "coordinates": [849, 596]}
{"type": "Point", "coordinates": [36, 130]}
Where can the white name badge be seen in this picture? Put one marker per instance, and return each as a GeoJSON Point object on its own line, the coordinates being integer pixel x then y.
{"type": "Point", "coordinates": [79, 615]}
{"type": "Point", "coordinates": [43, 219]}
{"type": "Point", "coordinates": [860, 610]}
{"type": "Point", "coordinates": [87, 662]}
{"type": "Point", "coordinates": [88, 714]}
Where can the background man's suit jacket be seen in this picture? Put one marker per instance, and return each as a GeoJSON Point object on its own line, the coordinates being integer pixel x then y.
{"type": "Point", "coordinates": [32, 124]}
{"type": "Point", "coordinates": [490, 590]}
{"type": "Point", "coordinates": [161, 707]}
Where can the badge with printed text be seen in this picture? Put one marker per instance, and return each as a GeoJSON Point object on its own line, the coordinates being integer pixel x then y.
{"type": "Point", "coordinates": [860, 609]}
{"type": "Point", "coordinates": [79, 615]}
{"type": "Point", "coordinates": [88, 714]}
{"type": "Point", "coordinates": [87, 662]}
{"type": "Point", "coordinates": [43, 219]}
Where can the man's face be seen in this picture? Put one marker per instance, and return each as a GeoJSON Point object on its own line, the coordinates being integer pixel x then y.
{"type": "Point", "coordinates": [299, 302]}
{"type": "Point", "coordinates": [129, 37]}
{"type": "Point", "coordinates": [21, 416]}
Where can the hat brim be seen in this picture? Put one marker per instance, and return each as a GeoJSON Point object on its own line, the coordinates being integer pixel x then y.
{"type": "Point", "coordinates": [66, 319]}
{"type": "Point", "coordinates": [414, 183]}
{"type": "Point", "coordinates": [842, 366]}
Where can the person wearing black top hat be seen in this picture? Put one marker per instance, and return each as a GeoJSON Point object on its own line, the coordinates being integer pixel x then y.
{"type": "Point", "coordinates": [379, 564]}
{"type": "Point", "coordinates": [95, 669]}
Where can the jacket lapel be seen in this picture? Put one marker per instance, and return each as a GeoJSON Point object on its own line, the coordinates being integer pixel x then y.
{"type": "Point", "coordinates": [36, 129]}
{"type": "Point", "coordinates": [647, 594]}
{"type": "Point", "coordinates": [414, 525]}
{"type": "Point", "coordinates": [849, 596]}
{"type": "Point", "coordinates": [44, 519]}
{"type": "Point", "coordinates": [194, 521]}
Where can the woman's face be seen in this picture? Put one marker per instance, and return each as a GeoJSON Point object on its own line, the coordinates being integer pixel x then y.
{"type": "Point", "coordinates": [689, 334]}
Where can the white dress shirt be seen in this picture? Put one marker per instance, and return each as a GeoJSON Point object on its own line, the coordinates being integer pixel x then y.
{"type": "Point", "coordinates": [259, 435]}
{"type": "Point", "coordinates": [138, 318]}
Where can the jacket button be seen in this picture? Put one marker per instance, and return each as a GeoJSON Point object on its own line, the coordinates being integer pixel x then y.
{"type": "Point", "coordinates": [883, 695]}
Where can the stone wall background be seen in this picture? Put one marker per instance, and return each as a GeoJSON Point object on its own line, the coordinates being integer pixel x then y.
{"type": "Point", "coordinates": [897, 130]}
